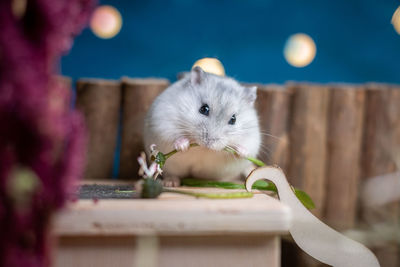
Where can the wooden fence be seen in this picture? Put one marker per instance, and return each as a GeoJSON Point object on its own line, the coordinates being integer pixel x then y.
{"type": "Point", "coordinates": [328, 138]}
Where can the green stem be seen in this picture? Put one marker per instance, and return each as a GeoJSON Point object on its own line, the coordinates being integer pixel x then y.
{"type": "Point", "coordinates": [301, 195]}
{"type": "Point", "coordinates": [257, 162]}
{"type": "Point", "coordinates": [173, 152]}
{"type": "Point", "coordinates": [125, 191]}
{"type": "Point", "coordinates": [260, 185]}
{"type": "Point", "coordinates": [229, 195]}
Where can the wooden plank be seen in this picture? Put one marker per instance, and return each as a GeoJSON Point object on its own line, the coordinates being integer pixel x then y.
{"type": "Point", "coordinates": [93, 251]}
{"type": "Point", "coordinates": [273, 110]}
{"type": "Point", "coordinates": [345, 132]}
{"type": "Point", "coordinates": [174, 214]}
{"type": "Point", "coordinates": [100, 101]}
{"type": "Point", "coordinates": [381, 154]}
{"type": "Point", "coordinates": [138, 95]}
{"type": "Point", "coordinates": [229, 251]}
{"type": "Point", "coordinates": [308, 147]}
{"type": "Point", "coordinates": [177, 251]}
{"type": "Point", "coordinates": [308, 136]}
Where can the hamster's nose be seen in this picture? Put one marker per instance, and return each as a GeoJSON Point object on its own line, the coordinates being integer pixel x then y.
{"type": "Point", "coordinates": [212, 143]}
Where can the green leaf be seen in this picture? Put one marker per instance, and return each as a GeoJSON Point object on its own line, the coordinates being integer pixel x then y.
{"type": "Point", "coordinates": [264, 185]}
{"type": "Point", "coordinates": [304, 198]}
{"type": "Point", "coordinates": [160, 159]}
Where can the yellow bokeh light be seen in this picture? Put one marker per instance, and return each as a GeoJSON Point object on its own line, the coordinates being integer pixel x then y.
{"type": "Point", "coordinates": [300, 50]}
{"type": "Point", "coordinates": [106, 22]}
{"type": "Point", "coordinates": [210, 65]}
{"type": "Point", "coordinates": [396, 20]}
{"type": "Point", "coordinates": [18, 7]}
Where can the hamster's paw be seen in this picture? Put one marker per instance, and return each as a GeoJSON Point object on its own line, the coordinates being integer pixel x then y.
{"type": "Point", "coordinates": [171, 181]}
{"type": "Point", "coordinates": [182, 144]}
{"type": "Point", "coordinates": [242, 151]}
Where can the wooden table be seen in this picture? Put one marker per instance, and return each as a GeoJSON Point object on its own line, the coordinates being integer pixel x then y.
{"type": "Point", "coordinates": [174, 230]}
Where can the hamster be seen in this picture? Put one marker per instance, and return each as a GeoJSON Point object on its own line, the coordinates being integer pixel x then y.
{"type": "Point", "coordinates": [209, 110]}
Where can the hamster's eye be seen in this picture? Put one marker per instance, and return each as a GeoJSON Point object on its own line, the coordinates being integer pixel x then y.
{"type": "Point", "coordinates": [232, 121]}
{"type": "Point", "coordinates": [205, 109]}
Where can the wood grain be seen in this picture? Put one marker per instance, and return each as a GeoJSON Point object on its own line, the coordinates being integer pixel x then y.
{"type": "Point", "coordinates": [82, 251]}
{"type": "Point", "coordinates": [308, 136]}
{"type": "Point", "coordinates": [174, 214]}
{"type": "Point", "coordinates": [176, 230]}
{"type": "Point", "coordinates": [229, 251]}
{"type": "Point", "coordinates": [273, 110]}
{"type": "Point", "coordinates": [138, 94]}
{"type": "Point", "coordinates": [177, 251]}
{"type": "Point", "coordinates": [381, 156]}
{"type": "Point", "coordinates": [100, 102]}
{"type": "Point", "coordinates": [346, 117]}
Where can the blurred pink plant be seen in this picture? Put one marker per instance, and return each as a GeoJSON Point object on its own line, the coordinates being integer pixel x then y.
{"type": "Point", "coordinates": [151, 171]}
{"type": "Point", "coordinates": [42, 139]}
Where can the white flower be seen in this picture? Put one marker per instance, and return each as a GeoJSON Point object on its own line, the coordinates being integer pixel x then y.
{"type": "Point", "coordinates": [152, 147]}
{"type": "Point", "coordinates": [153, 150]}
{"type": "Point", "coordinates": [146, 171]}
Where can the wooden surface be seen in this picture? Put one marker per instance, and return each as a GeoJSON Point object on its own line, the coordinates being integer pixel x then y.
{"type": "Point", "coordinates": [345, 124]}
{"type": "Point", "coordinates": [99, 100]}
{"type": "Point", "coordinates": [94, 252]}
{"type": "Point", "coordinates": [227, 251]}
{"type": "Point", "coordinates": [174, 214]}
{"type": "Point", "coordinates": [381, 156]}
{"type": "Point", "coordinates": [273, 109]}
{"type": "Point", "coordinates": [138, 95]}
{"type": "Point", "coordinates": [308, 136]}
{"type": "Point", "coordinates": [319, 152]}
{"type": "Point", "coordinates": [174, 230]}
{"type": "Point", "coordinates": [168, 251]}
{"type": "Point", "coordinates": [308, 147]}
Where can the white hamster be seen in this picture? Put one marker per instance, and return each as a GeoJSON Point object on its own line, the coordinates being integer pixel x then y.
{"type": "Point", "coordinates": [209, 110]}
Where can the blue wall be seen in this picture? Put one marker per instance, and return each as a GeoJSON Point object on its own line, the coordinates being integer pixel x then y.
{"type": "Point", "coordinates": [355, 40]}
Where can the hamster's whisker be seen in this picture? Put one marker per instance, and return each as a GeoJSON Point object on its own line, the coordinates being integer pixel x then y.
{"type": "Point", "coordinates": [270, 135]}
{"type": "Point", "coordinates": [261, 132]}
{"type": "Point", "coordinates": [240, 131]}
{"type": "Point", "coordinates": [264, 150]}
{"type": "Point", "coordinates": [247, 128]}
{"type": "Point", "coordinates": [232, 148]}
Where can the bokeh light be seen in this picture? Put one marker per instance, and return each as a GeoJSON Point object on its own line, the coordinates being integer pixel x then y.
{"type": "Point", "coordinates": [210, 65]}
{"type": "Point", "coordinates": [106, 22]}
{"type": "Point", "coordinates": [396, 20]}
{"type": "Point", "coordinates": [18, 7]}
{"type": "Point", "coordinates": [300, 50]}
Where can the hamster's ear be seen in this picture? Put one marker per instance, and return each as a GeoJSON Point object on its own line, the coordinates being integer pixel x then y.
{"type": "Point", "coordinates": [251, 94]}
{"type": "Point", "coordinates": [196, 75]}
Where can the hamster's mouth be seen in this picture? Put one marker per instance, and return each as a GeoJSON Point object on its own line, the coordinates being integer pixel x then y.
{"type": "Point", "coordinates": [212, 144]}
